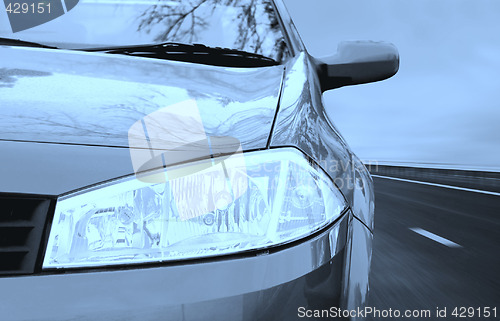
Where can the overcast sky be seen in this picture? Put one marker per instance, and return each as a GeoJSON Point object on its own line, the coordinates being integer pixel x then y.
{"type": "Point", "coordinates": [444, 104]}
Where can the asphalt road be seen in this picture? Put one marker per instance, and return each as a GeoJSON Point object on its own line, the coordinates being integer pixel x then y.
{"type": "Point", "coordinates": [410, 271]}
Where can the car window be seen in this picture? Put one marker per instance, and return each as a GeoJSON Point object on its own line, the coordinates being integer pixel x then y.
{"type": "Point", "coordinates": [248, 25]}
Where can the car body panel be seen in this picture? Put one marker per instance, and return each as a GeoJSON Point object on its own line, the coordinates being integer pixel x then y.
{"type": "Point", "coordinates": [55, 169]}
{"type": "Point", "coordinates": [72, 97]}
{"type": "Point", "coordinates": [360, 241]}
{"type": "Point", "coordinates": [308, 274]}
{"type": "Point", "coordinates": [302, 122]}
{"type": "Point", "coordinates": [363, 197]}
{"type": "Point", "coordinates": [93, 99]}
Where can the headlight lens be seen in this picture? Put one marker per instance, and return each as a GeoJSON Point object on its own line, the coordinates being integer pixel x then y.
{"type": "Point", "coordinates": [245, 202]}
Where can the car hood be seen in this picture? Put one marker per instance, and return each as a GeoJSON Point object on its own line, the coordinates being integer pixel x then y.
{"type": "Point", "coordinates": [66, 116]}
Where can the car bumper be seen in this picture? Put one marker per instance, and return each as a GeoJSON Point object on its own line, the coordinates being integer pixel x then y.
{"type": "Point", "coordinates": [271, 286]}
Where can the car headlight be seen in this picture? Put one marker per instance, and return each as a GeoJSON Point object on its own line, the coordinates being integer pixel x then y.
{"type": "Point", "coordinates": [244, 202]}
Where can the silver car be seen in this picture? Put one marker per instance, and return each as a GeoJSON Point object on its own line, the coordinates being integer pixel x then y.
{"type": "Point", "coordinates": [173, 160]}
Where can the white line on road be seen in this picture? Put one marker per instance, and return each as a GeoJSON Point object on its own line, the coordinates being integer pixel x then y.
{"type": "Point", "coordinates": [434, 237]}
{"type": "Point", "coordinates": [440, 185]}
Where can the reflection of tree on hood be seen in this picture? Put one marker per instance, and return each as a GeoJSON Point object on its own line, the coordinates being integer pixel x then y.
{"type": "Point", "coordinates": [258, 29]}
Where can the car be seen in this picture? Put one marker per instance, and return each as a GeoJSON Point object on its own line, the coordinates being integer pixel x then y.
{"type": "Point", "coordinates": [173, 160]}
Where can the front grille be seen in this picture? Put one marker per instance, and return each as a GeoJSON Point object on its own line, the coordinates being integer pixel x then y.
{"type": "Point", "coordinates": [22, 221]}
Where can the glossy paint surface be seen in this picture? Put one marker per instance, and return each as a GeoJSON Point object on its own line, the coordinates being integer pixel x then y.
{"type": "Point", "coordinates": [302, 122]}
{"type": "Point", "coordinates": [75, 97]}
{"type": "Point", "coordinates": [363, 202]}
{"type": "Point", "coordinates": [264, 287]}
{"type": "Point", "coordinates": [360, 242]}
{"type": "Point", "coordinates": [54, 169]}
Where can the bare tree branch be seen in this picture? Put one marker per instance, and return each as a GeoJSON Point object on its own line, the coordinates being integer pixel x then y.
{"type": "Point", "coordinates": [256, 23]}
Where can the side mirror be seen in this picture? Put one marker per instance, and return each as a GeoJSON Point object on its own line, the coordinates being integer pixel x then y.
{"type": "Point", "coordinates": [358, 62]}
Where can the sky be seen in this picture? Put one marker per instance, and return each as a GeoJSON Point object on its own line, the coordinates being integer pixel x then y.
{"type": "Point", "coordinates": [443, 106]}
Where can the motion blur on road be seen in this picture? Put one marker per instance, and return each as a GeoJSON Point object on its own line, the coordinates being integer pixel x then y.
{"type": "Point", "coordinates": [413, 272]}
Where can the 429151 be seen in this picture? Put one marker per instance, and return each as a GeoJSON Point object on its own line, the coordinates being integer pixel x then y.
{"type": "Point", "coordinates": [24, 7]}
{"type": "Point", "coordinates": [471, 312]}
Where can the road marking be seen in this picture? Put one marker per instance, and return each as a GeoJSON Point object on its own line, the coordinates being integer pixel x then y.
{"type": "Point", "coordinates": [434, 237]}
{"type": "Point", "coordinates": [369, 163]}
{"type": "Point", "coordinates": [439, 185]}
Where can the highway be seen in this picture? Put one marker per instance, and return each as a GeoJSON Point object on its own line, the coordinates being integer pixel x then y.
{"type": "Point", "coordinates": [458, 265]}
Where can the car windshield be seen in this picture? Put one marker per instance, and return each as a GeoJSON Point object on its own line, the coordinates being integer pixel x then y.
{"type": "Point", "coordinates": [247, 25]}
